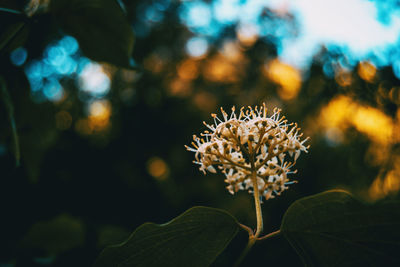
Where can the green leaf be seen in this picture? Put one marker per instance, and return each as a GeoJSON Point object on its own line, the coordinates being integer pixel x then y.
{"type": "Point", "coordinates": [195, 238]}
{"type": "Point", "coordinates": [334, 229]}
{"type": "Point", "coordinates": [13, 35]}
{"type": "Point", "coordinates": [100, 26]}
{"type": "Point", "coordinates": [13, 30]}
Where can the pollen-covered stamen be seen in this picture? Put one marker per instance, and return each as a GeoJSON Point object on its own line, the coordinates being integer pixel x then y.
{"type": "Point", "coordinates": [233, 114]}
{"type": "Point", "coordinates": [188, 148]}
{"type": "Point", "coordinates": [211, 127]}
{"type": "Point", "coordinates": [224, 114]}
{"type": "Point", "coordinates": [216, 119]}
{"type": "Point", "coordinates": [241, 113]}
{"type": "Point", "coordinates": [265, 110]}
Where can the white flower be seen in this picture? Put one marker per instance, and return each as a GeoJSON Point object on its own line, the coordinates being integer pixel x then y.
{"type": "Point", "coordinates": [251, 143]}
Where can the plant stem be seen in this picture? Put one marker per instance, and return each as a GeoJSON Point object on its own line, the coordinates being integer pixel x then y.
{"type": "Point", "coordinates": [10, 110]}
{"type": "Point", "coordinates": [252, 241]}
{"type": "Point", "coordinates": [246, 228]}
{"type": "Point", "coordinates": [12, 11]}
{"type": "Point", "coordinates": [253, 236]}
{"type": "Point", "coordinates": [257, 205]}
{"type": "Point", "coordinates": [270, 235]}
{"type": "Point", "coordinates": [250, 244]}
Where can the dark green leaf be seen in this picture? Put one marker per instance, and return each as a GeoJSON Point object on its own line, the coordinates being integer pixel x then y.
{"type": "Point", "coordinates": [100, 26]}
{"type": "Point", "coordinates": [195, 238]}
{"type": "Point", "coordinates": [14, 29]}
{"type": "Point", "coordinates": [334, 229]}
{"type": "Point", "coordinates": [111, 234]}
{"type": "Point", "coordinates": [13, 34]}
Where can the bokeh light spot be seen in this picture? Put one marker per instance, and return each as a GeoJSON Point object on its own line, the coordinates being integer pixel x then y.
{"type": "Point", "coordinates": [343, 77]}
{"type": "Point", "coordinates": [69, 44]}
{"type": "Point", "coordinates": [60, 59]}
{"type": "Point", "coordinates": [179, 87]}
{"type": "Point", "coordinates": [68, 67]}
{"type": "Point", "coordinates": [197, 46]}
{"type": "Point", "coordinates": [205, 101]}
{"type": "Point", "coordinates": [98, 120]}
{"type": "Point", "coordinates": [153, 14]}
{"type": "Point", "coordinates": [196, 14]}
{"type": "Point", "coordinates": [18, 56]}
{"type": "Point", "coordinates": [100, 109]}
{"type": "Point", "coordinates": [53, 90]}
{"type": "Point", "coordinates": [343, 112]}
{"type": "Point", "coordinates": [55, 55]}
{"type": "Point", "coordinates": [226, 11]}
{"type": "Point", "coordinates": [93, 80]}
{"type": "Point", "coordinates": [158, 168]}
{"type": "Point", "coordinates": [232, 51]}
{"type": "Point", "coordinates": [286, 76]}
{"type": "Point", "coordinates": [366, 71]}
{"type": "Point", "coordinates": [154, 63]}
{"type": "Point", "coordinates": [388, 184]}
{"type": "Point", "coordinates": [99, 115]}
{"type": "Point", "coordinates": [220, 69]}
{"type": "Point", "coordinates": [188, 69]}
{"type": "Point", "coordinates": [247, 34]}
{"type": "Point", "coordinates": [373, 122]}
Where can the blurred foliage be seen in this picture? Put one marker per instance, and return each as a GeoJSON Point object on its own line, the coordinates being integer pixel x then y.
{"type": "Point", "coordinates": [116, 160]}
{"type": "Point", "coordinates": [93, 22]}
{"type": "Point", "coordinates": [55, 236]}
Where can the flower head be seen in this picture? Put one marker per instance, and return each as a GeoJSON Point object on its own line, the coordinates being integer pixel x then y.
{"type": "Point", "coordinates": [254, 151]}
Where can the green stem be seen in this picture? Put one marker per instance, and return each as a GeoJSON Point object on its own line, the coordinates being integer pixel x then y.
{"type": "Point", "coordinates": [256, 192]}
{"type": "Point", "coordinates": [12, 11]}
{"type": "Point", "coordinates": [253, 237]}
{"type": "Point", "coordinates": [10, 110]}
{"type": "Point", "coordinates": [250, 244]}
{"type": "Point", "coordinates": [257, 202]}
{"type": "Point", "coordinates": [270, 235]}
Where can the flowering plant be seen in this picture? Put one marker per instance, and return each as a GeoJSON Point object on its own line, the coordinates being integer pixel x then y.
{"type": "Point", "coordinates": [254, 151]}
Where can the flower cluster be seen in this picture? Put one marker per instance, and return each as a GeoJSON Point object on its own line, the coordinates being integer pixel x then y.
{"type": "Point", "coordinates": [252, 149]}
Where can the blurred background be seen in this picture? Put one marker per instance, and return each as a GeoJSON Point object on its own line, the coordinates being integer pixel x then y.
{"type": "Point", "coordinates": [102, 147]}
